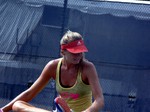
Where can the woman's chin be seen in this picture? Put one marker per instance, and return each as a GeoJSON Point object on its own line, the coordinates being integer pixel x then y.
{"type": "Point", "coordinates": [76, 61]}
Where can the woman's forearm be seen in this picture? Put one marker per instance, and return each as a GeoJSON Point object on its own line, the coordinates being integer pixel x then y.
{"type": "Point", "coordinates": [97, 105]}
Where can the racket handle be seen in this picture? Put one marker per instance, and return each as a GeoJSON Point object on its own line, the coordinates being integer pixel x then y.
{"type": "Point", "coordinates": [61, 105]}
{"type": "Point", "coordinates": [1, 110]}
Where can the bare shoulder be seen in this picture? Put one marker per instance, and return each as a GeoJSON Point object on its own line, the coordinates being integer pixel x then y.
{"type": "Point", "coordinates": [51, 67]}
{"type": "Point", "coordinates": [88, 64]}
{"type": "Point", "coordinates": [88, 67]}
{"type": "Point", "coordinates": [89, 73]}
{"type": "Point", "coordinates": [53, 63]}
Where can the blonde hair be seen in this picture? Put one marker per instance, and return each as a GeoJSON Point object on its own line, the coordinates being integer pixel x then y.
{"type": "Point", "coordinates": [70, 36]}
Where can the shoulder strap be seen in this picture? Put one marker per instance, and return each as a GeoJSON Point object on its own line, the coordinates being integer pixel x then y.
{"type": "Point", "coordinates": [58, 68]}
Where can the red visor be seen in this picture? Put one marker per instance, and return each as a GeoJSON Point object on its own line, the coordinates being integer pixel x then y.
{"type": "Point", "coordinates": [75, 47]}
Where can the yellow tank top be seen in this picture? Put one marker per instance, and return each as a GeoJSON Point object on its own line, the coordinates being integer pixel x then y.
{"type": "Point", "coordinates": [79, 96]}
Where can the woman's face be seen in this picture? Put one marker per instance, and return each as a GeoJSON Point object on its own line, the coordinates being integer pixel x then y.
{"type": "Point", "coordinates": [73, 58]}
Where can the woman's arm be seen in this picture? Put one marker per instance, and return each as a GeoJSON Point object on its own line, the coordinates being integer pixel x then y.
{"type": "Point", "coordinates": [93, 80]}
{"type": "Point", "coordinates": [39, 84]}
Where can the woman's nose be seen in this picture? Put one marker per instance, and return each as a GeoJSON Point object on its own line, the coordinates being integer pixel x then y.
{"type": "Point", "coordinates": [77, 54]}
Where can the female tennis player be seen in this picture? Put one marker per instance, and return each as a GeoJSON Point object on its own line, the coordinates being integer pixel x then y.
{"type": "Point", "coordinates": [77, 81]}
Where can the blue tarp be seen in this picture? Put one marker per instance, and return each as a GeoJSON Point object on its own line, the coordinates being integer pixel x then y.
{"type": "Point", "coordinates": [17, 21]}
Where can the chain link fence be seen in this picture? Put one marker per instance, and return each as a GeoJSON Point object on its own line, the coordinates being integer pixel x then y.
{"type": "Point", "coordinates": [116, 34]}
